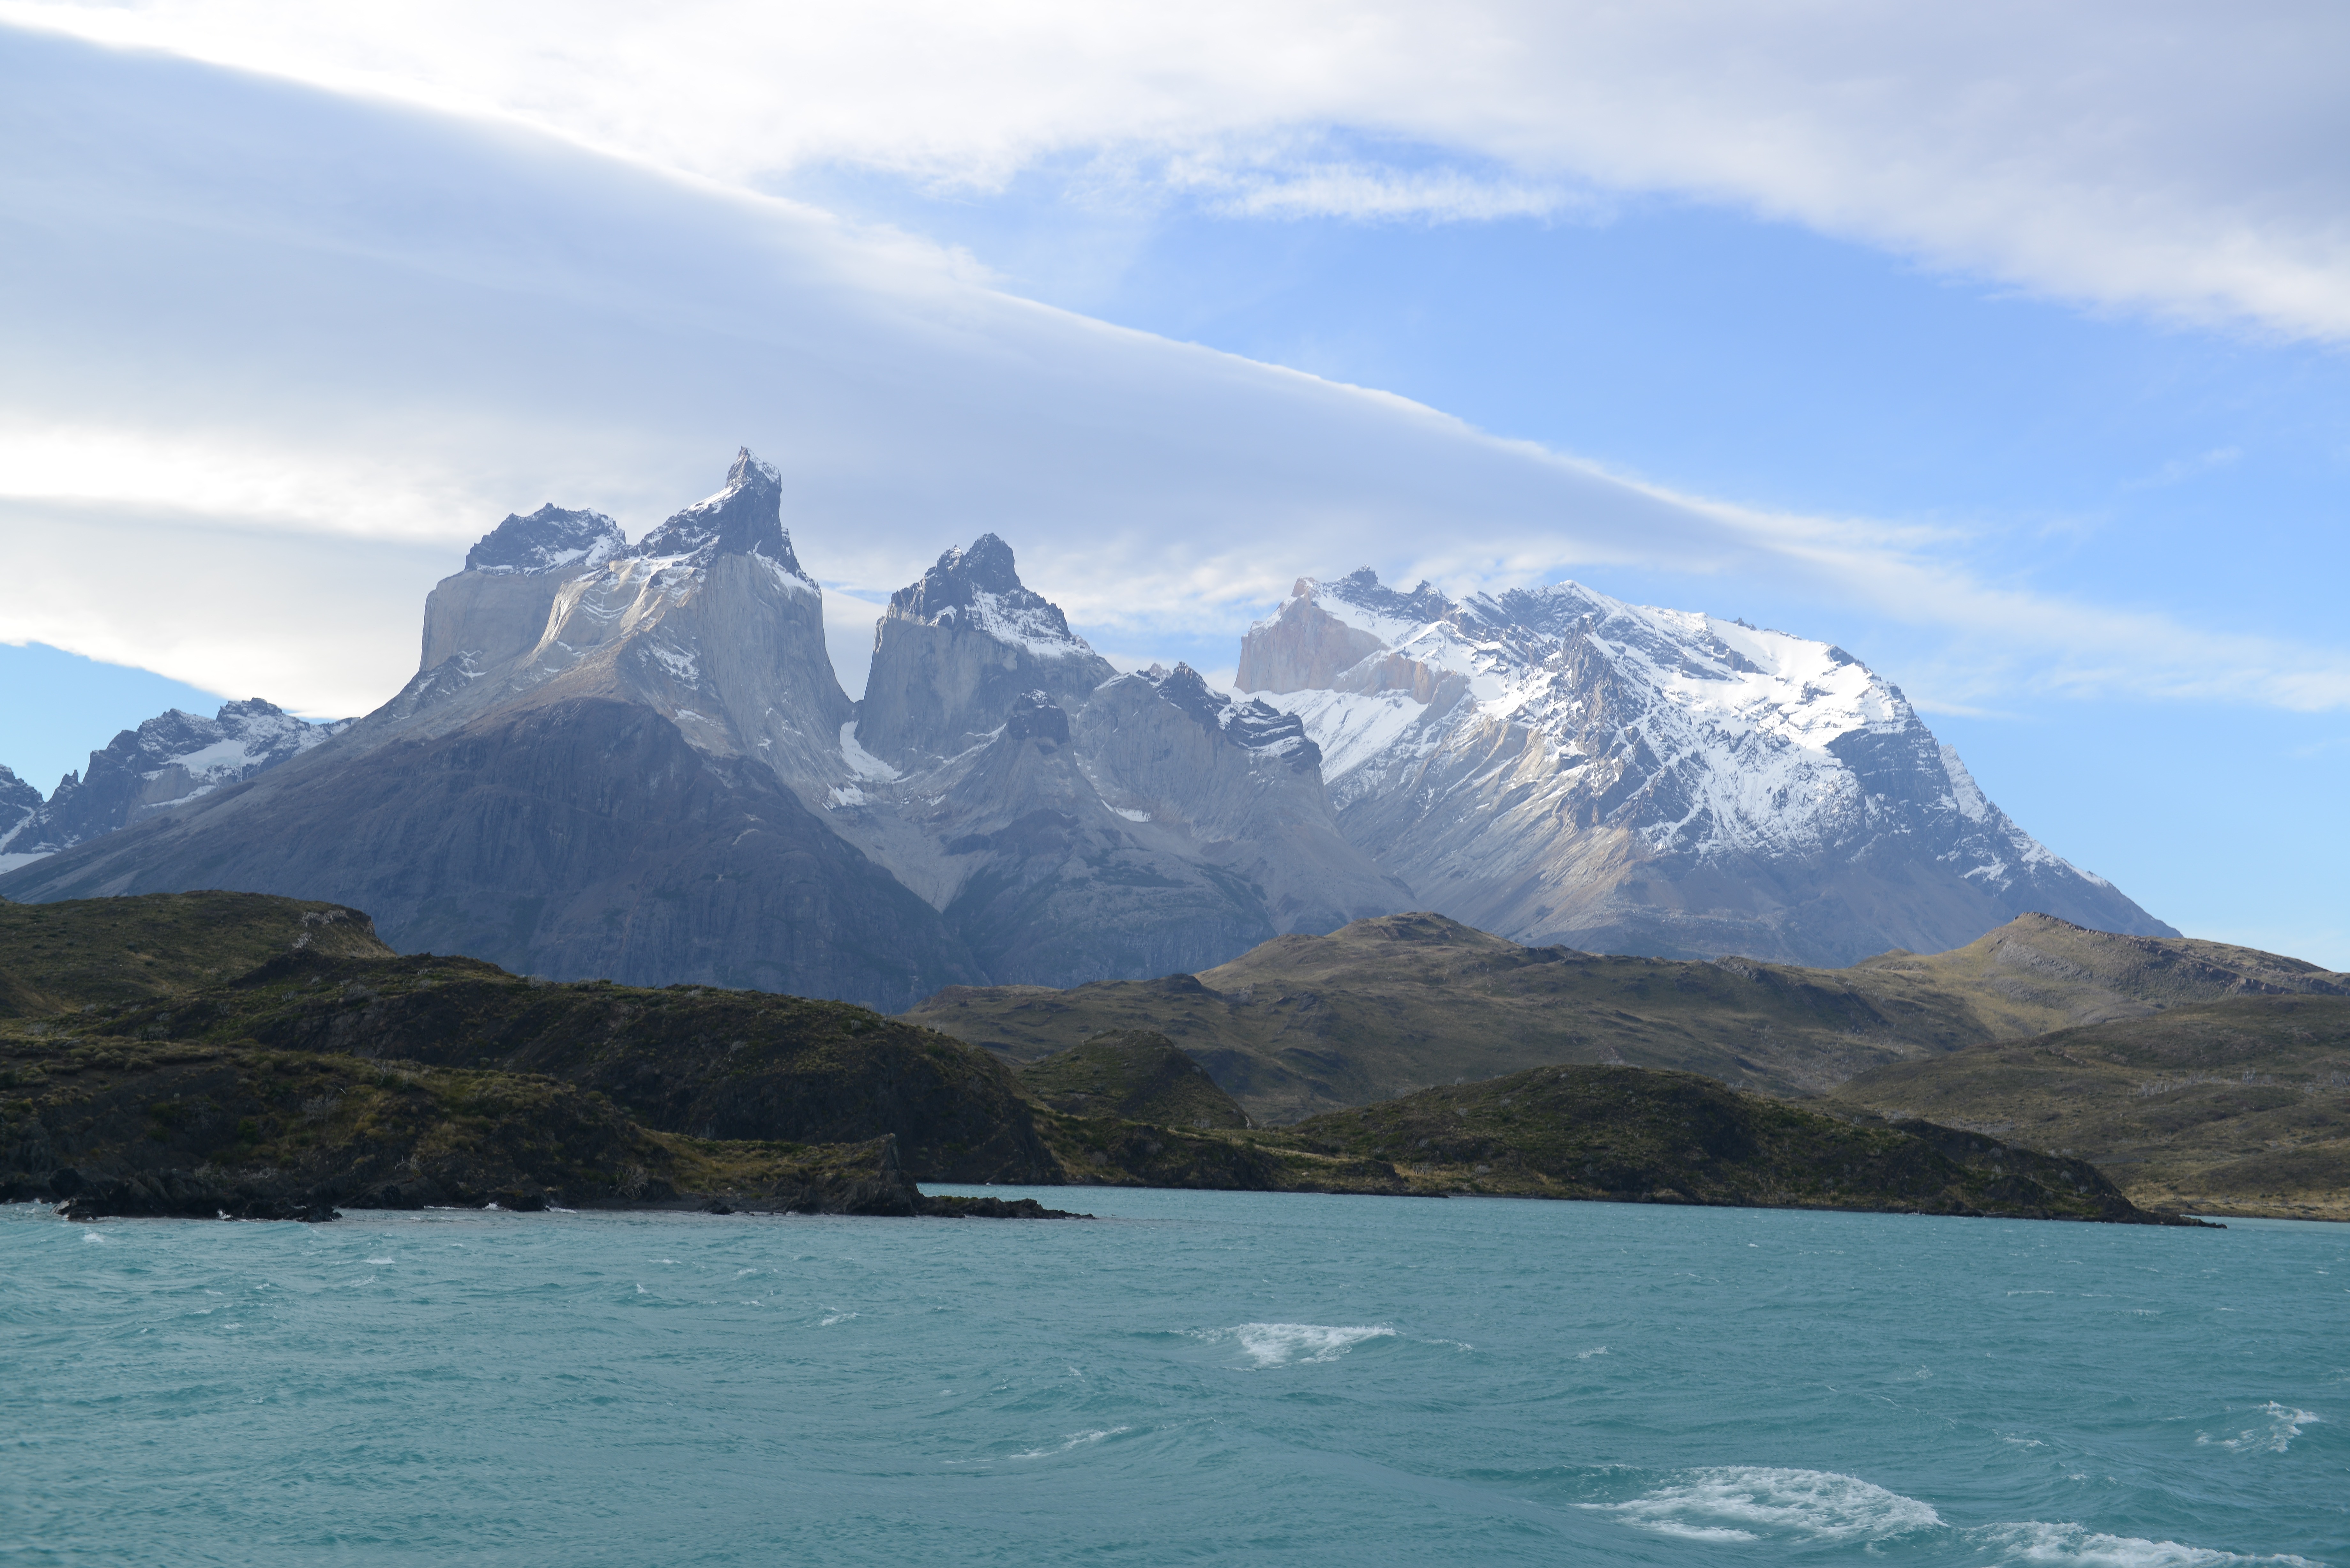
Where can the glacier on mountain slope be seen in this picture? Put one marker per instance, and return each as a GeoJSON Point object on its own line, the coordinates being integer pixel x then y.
{"type": "Point", "coordinates": [1556, 765]}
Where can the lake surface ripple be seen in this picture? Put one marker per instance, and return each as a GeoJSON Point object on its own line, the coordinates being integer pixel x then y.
{"type": "Point", "coordinates": [1199, 1377]}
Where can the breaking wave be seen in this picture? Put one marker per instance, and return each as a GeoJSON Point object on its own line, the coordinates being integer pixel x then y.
{"type": "Point", "coordinates": [2274, 1436]}
{"type": "Point", "coordinates": [1074, 1440]}
{"type": "Point", "coordinates": [1749, 1503]}
{"type": "Point", "coordinates": [1296, 1343]}
{"type": "Point", "coordinates": [2073, 1546]}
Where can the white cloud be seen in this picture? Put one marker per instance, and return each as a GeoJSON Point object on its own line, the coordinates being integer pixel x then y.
{"type": "Point", "coordinates": [2162, 155]}
{"type": "Point", "coordinates": [272, 357]}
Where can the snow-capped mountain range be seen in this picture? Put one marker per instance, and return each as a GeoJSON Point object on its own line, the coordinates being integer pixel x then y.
{"type": "Point", "coordinates": [171, 760]}
{"type": "Point", "coordinates": [1554, 765]}
{"type": "Point", "coordinates": [636, 761]}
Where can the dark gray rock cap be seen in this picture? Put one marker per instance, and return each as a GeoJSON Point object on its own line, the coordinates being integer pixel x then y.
{"type": "Point", "coordinates": [548, 539]}
{"type": "Point", "coordinates": [961, 576]}
{"type": "Point", "coordinates": [746, 518]}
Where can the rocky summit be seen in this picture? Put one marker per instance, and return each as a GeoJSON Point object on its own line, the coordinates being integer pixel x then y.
{"type": "Point", "coordinates": [634, 761]}
{"type": "Point", "coordinates": [1558, 766]}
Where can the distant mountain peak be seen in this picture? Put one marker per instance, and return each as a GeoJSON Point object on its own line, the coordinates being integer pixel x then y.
{"type": "Point", "coordinates": [980, 587]}
{"type": "Point", "coordinates": [171, 760]}
{"type": "Point", "coordinates": [1554, 764]}
{"type": "Point", "coordinates": [746, 518]}
{"type": "Point", "coordinates": [549, 539]}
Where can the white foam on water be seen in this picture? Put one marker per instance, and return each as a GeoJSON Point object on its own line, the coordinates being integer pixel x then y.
{"type": "Point", "coordinates": [836, 1317]}
{"type": "Point", "coordinates": [2283, 1425]}
{"type": "Point", "coordinates": [93, 1236]}
{"type": "Point", "coordinates": [2076, 1546]}
{"type": "Point", "coordinates": [1746, 1502]}
{"type": "Point", "coordinates": [1075, 1440]}
{"type": "Point", "coordinates": [376, 1263]}
{"type": "Point", "coordinates": [1588, 1354]}
{"type": "Point", "coordinates": [1298, 1343]}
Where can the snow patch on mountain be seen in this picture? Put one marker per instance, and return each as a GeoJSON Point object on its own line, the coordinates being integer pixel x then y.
{"type": "Point", "coordinates": [1522, 753]}
{"type": "Point", "coordinates": [551, 539]}
{"type": "Point", "coordinates": [862, 763]}
{"type": "Point", "coordinates": [171, 760]}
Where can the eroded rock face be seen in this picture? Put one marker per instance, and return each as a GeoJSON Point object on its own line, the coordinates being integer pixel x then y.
{"type": "Point", "coordinates": [956, 650]}
{"type": "Point", "coordinates": [1073, 824]}
{"type": "Point", "coordinates": [1556, 766]}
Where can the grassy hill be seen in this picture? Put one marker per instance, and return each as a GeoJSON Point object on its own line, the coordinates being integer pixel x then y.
{"type": "Point", "coordinates": [2234, 1107]}
{"type": "Point", "coordinates": [265, 1057]}
{"type": "Point", "coordinates": [1384, 1007]}
{"type": "Point", "coordinates": [56, 958]}
{"type": "Point", "coordinates": [225, 1052]}
{"type": "Point", "coordinates": [686, 1059]}
{"type": "Point", "coordinates": [1133, 1075]}
{"type": "Point", "coordinates": [1634, 1135]}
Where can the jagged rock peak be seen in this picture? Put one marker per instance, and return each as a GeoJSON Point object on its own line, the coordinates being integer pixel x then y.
{"type": "Point", "coordinates": [1254, 723]}
{"type": "Point", "coordinates": [1362, 587]}
{"type": "Point", "coordinates": [981, 588]}
{"type": "Point", "coordinates": [549, 539]}
{"type": "Point", "coordinates": [746, 518]}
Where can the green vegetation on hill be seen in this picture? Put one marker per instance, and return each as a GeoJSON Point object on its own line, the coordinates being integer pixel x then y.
{"type": "Point", "coordinates": [58, 957]}
{"type": "Point", "coordinates": [326, 1070]}
{"type": "Point", "coordinates": [1635, 1134]}
{"type": "Point", "coordinates": [203, 1052]}
{"type": "Point", "coordinates": [1135, 1074]}
{"type": "Point", "coordinates": [2239, 1106]}
{"type": "Point", "coordinates": [686, 1059]}
{"type": "Point", "coordinates": [178, 1128]}
{"type": "Point", "coordinates": [1384, 1007]}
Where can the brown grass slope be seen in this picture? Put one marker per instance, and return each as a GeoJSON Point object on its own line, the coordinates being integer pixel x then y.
{"type": "Point", "coordinates": [2236, 1107]}
{"type": "Point", "coordinates": [1383, 1007]}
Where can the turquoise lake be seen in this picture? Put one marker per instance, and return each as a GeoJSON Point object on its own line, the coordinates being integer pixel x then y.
{"type": "Point", "coordinates": [1195, 1377]}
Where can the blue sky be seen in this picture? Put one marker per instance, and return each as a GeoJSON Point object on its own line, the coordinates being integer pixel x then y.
{"type": "Point", "coordinates": [2043, 412]}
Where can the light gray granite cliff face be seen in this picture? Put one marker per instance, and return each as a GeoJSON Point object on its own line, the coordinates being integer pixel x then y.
{"type": "Point", "coordinates": [956, 649]}
{"type": "Point", "coordinates": [595, 774]}
{"type": "Point", "coordinates": [1553, 765]}
{"type": "Point", "coordinates": [1073, 824]}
